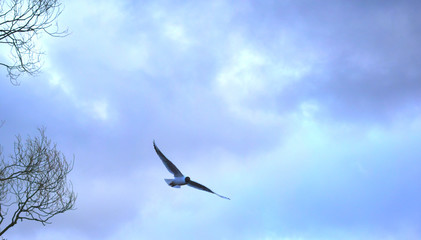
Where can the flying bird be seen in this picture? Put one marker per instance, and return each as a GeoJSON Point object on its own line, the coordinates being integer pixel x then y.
{"type": "Point", "coordinates": [179, 178]}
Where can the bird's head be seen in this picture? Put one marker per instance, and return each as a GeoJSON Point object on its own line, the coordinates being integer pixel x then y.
{"type": "Point", "coordinates": [187, 179]}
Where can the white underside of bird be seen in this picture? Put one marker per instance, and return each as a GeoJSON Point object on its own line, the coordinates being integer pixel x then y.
{"type": "Point", "coordinates": [179, 179]}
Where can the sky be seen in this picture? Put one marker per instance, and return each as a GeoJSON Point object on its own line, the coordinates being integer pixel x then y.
{"type": "Point", "coordinates": [306, 114]}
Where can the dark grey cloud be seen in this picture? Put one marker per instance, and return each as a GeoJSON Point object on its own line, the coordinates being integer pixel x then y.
{"type": "Point", "coordinates": [368, 55]}
{"type": "Point", "coordinates": [366, 68]}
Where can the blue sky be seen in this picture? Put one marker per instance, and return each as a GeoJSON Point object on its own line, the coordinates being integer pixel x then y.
{"type": "Point", "coordinates": [307, 115]}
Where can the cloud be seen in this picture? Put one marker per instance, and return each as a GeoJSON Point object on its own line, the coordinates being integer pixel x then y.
{"type": "Point", "coordinates": [362, 75]}
{"type": "Point", "coordinates": [349, 59]}
{"type": "Point", "coordinates": [304, 114]}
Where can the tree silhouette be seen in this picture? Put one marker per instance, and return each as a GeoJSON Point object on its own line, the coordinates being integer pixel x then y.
{"type": "Point", "coordinates": [21, 24]}
{"type": "Point", "coordinates": [33, 183]}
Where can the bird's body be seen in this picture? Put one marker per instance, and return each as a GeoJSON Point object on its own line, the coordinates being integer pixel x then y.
{"type": "Point", "coordinates": [179, 178]}
{"type": "Point", "coordinates": [177, 181]}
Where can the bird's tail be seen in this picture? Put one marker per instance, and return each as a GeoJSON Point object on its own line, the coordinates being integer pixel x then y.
{"type": "Point", "coordinates": [169, 181]}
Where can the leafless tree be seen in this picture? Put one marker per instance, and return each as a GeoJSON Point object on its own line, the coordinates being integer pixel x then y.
{"type": "Point", "coordinates": [21, 23]}
{"type": "Point", "coordinates": [33, 182]}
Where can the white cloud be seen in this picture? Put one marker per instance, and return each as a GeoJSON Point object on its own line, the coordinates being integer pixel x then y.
{"type": "Point", "coordinates": [177, 33]}
{"type": "Point", "coordinates": [242, 78]}
{"type": "Point", "coordinates": [92, 107]}
{"type": "Point", "coordinates": [100, 110]}
{"type": "Point", "coordinates": [308, 109]}
{"type": "Point", "coordinates": [254, 79]}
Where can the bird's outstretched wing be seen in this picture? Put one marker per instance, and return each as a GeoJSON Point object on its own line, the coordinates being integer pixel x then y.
{"type": "Point", "coordinates": [203, 188]}
{"type": "Point", "coordinates": [168, 164]}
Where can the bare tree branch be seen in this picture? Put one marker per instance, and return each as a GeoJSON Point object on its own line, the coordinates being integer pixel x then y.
{"type": "Point", "coordinates": [33, 183]}
{"type": "Point", "coordinates": [21, 24]}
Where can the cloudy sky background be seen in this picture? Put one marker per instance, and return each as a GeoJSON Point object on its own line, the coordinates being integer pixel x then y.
{"type": "Point", "coordinates": [307, 115]}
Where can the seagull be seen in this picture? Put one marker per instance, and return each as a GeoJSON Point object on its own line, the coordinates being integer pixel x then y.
{"type": "Point", "coordinates": [179, 178]}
